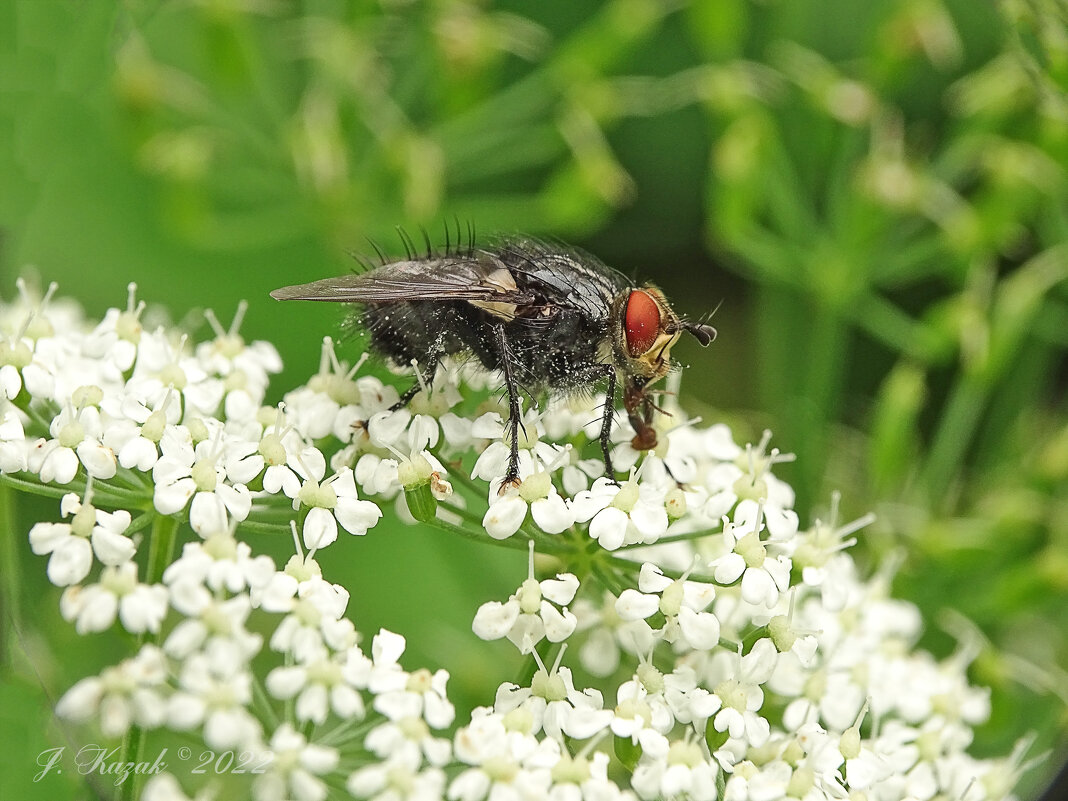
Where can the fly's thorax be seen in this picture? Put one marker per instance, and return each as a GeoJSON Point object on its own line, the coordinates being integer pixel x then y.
{"type": "Point", "coordinates": [643, 329]}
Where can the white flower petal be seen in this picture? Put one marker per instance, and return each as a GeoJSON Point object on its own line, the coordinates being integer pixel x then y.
{"type": "Point", "coordinates": [759, 588]}
{"type": "Point", "coordinates": [560, 590]}
{"type": "Point", "coordinates": [652, 579]}
{"type": "Point", "coordinates": [559, 625]}
{"type": "Point", "coordinates": [112, 548]}
{"type": "Point", "coordinates": [728, 568]}
{"type": "Point", "coordinates": [527, 632]}
{"type": "Point", "coordinates": [172, 498]}
{"type": "Point", "coordinates": [138, 453]}
{"type": "Point", "coordinates": [70, 562]}
{"type": "Point", "coordinates": [387, 647]}
{"type": "Point", "coordinates": [46, 537]}
{"type": "Point", "coordinates": [320, 528]}
{"type": "Point", "coordinates": [313, 704]}
{"type": "Point", "coordinates": [60, 466]}
{"type": "Point", "coordinates": [552, 514]}
{"type": "Point", "coordinates": [423, 433]}
{"type": "Point", "coordinates": [99, 460]}
{"type": "Point", "coordinates": [634, 605]}
{"type": "Point", "coordinates": [650, 519]}
{"type": "Point", "coordinates": [236, 498]}
{"type": "Point", "coordinates": [144, 608]}
{"type": "Point", "coordinates": [609, 527]}
{"type": "Point", "coordinates": [493, 619]}
{"type": "Point", "coordinates": [505, 516]}
{"type": "Point", "coordinates": [701, 629]}
{"type": "Point", "coordinates": [285, 682]}
{"type": "Point", "coordinates": [385, 428]}
{"type": "Point", "coordinates": [356, 516]}
{"type": "Point", "coordinates": [207, 514]}
{"type": "Point", "coordinates": [10, 381]}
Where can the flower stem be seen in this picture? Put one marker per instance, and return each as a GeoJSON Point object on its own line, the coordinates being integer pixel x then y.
{"type": "Point", "coordinates": [264, 528]}
{"type": "Point", "coordinates": [609, 581]}
{"type": "Point", "coordinates": [132, 746]}
{"type": "Point", "coordinates": [263, 701]}
{"type": "Point", "coordinates": [34, 487]}
{"type": "Point", "coordinates": [161, 547]}
{"type": "Point", "coordinates": [692, 536]}
{"type": "Point", "coordinates": [160, 551]}
{"type": "Point", "coordinates": [9, 568]}
{"type": "Point", "coordinates": [477, 536]}
{"type": "Point", "coordinates": [103, 494]}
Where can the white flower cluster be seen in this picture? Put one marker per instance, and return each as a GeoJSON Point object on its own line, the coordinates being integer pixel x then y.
{"type": "Point", "coordinates": [719, 649]}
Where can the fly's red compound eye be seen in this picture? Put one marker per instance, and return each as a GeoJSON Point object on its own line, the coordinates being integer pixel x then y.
{"type": "Point", "coordinates": [641, 323]}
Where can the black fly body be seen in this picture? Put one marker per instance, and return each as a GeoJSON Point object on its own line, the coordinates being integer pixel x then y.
{"type": "Point", "coordinates": [551, 319]}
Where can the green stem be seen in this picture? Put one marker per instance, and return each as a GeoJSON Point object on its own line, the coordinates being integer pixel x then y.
{"type": "Point", "coordinates": [161, 547]}
{"type": "Point", "coordinates": [543, 543]}
{"type": "Point", "coordinates": [347, 732]}
{"type": "Point", "coordinates": [132, 746]}
{"type": "Point", "coordinates": [264, 528]}
{"type": "Point", "coordinates": [609, 581]}
{"type": "Point", "coordinates": [160, 552]}
{"type": "Point", "coordinates": [629, 566]}
{"type": "Point", "coordinates": [103, 494]}
{"type": "Point", "coordinates": [263, 702]}
{"type": "Point", "coordinates": [140, 522]}
{"type": "Point", "coordinates": [691, 537]}
{"type": "Point", "coordinates": [35, 487]}
{"type": "Point", "coordinates": [9, 568]}
{"type": "Point", "coordinates": [458, 477]}
{"type": "Point", "coordinates": [476, 536]}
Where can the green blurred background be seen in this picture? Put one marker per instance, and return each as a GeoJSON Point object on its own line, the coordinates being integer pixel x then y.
{"type": "Point", "coordinates": [875, 192]}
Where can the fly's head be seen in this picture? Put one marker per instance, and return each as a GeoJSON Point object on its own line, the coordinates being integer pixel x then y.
{"type": "Point", "coordinates": [644, 330]}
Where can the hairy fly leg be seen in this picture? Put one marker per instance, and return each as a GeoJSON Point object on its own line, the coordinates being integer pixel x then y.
{"type": "Point", "coordinates": [606, 421]}
{"type": "Point", "coordinates": [511, 478]}
{"type": "Point", "coordinates": [423, 380]}
{"type": "Point", "coordinates": [636, 399]}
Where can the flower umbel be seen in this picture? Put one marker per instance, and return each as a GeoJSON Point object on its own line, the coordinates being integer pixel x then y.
{"type": "Point", "coordinates": [741, 657]}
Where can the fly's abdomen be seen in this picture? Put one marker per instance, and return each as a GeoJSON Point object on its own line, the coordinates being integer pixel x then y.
{"type": "Point", "coordinates": [426, 331]}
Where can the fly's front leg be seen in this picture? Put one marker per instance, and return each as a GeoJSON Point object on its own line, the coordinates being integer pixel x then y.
{"type": "Point", "coordinates": [606, 422]}
{"type": "Point", "coordinates": [426, 379]}
{"type": "Point", "coordinates": [511, 478]}
{"type": "Point", "coordinates": [639, 412]}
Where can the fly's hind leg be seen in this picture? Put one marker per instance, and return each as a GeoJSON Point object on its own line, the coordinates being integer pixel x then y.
{"type": "Point", "coordinates": [511, 477]}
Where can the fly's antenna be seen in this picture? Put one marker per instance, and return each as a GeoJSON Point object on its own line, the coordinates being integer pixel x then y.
{"type": "Point", "coordinates": [702, 331]}
{"type": "Point", "coordinates": [409, 246]}
{"type": "Point", "coordinates": [426, 240]}
{"type": "Point", "coordinates": [374, 245]}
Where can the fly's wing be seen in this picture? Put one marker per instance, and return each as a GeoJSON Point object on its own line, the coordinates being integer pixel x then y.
{"type": "Point", "coordinates": [423, 279]}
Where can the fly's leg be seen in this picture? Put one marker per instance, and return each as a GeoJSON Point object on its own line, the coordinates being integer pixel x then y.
{"type": "Point", "coordinates": [425, 380]}
{"type": "Point", "coordinates": [645, 438]}
{"type": "Point", "coordinates": [640, 413]}
{"type": "Point", "coordinates": [511, 478]}
{"type": "Point", "coordinates": [606, 422]}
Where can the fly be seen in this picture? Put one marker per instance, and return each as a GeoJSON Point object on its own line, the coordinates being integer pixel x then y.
{"type": "Point", "coordinates": [550, 318]}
